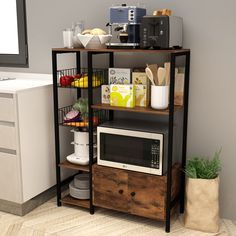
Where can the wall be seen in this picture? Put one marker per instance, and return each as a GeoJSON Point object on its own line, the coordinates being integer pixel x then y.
{"type": "Point", "coordinates": [209, 30]}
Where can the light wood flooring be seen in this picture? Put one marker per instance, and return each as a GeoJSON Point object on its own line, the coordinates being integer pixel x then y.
{"type": "Point", "coordinates": [50, 220]}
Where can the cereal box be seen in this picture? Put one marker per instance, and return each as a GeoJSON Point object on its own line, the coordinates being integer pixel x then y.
{"type": "Point", "coordinates": [119, 76]}
{"type": "Point", "coordinates": [105, 94]}
{"type": "Point", "coordinates": [122, 95]}
{"type": "Point", "coordinates": [141, 95]}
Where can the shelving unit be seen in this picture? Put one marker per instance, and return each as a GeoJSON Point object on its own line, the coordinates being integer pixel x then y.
{"type": "Point", "coordinates": [170, 199]}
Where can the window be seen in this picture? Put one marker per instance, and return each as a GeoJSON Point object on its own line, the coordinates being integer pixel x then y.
{"type": "Point", "coordinates": [13, 39]}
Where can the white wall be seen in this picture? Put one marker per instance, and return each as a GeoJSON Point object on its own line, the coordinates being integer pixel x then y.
{"type": "Point", "coordinates": [209, 31]}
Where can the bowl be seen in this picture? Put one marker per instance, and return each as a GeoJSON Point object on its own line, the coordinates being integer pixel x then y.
{"type": "Point", "coordinates": [94, 41]}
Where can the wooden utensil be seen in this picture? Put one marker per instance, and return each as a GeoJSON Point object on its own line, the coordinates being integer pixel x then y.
{"type": "Point", "coordinates": [161, 74]}
{"type": "Point", "coordinates": [154, 68]}
{"type": "Point", "coordinates": [167, 67]}
{"type": "Point", "coordinates": [150, 75]}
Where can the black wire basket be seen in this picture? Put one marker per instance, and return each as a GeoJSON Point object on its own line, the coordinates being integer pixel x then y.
{"type": "Point", "coordinates": [81, 122]}
{"type": "Point", "coordinates": [72, 78]}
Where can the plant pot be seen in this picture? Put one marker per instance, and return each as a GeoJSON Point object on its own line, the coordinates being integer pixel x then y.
{"type": "Point", "coordinates": [202, 205]}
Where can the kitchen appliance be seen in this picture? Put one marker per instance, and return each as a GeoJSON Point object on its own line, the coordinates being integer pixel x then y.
{"type": "Point", "coordinates": [133, 145]}
{"type": "Point", "coordinates": [81, 148]}
{"type": "Point", "coordinates": [124, 26]}
{"type": "Point", "coordinates": [160, 32]}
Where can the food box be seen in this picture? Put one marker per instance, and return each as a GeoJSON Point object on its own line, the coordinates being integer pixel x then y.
{"type": "Point", "coordinates": [105, 94]}
{"type": "Point", "coordinates": [141, 95]}
{"type": "Point", "coordinates": [140, 78]}
{"type": "Point", "coordinates": [122, 95]}
{"type": "Point", "coordinates": [119, 76]}
{"type": "Point", "coordinates": [179, 89]}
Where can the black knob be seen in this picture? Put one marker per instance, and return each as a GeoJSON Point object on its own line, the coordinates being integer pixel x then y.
{"type": "Point", "coordinates": [123, 4]}
{"type": "Point", "coordinates": [121, 191]}
{"type": "Point", "coordinates": [132, 194]}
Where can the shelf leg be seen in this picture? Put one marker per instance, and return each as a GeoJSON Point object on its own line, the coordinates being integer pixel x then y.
{"type": "Point", "coordinates": [56, 127]}
{"type": "Point", "coordinates": [185, 124]}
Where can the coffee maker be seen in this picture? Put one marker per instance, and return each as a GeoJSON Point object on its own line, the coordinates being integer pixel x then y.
{"type": "Point", "coordinates": [124, 26]}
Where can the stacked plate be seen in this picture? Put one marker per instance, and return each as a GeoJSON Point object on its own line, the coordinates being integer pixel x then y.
{"type": "Point", "coordinates": [79, 187]}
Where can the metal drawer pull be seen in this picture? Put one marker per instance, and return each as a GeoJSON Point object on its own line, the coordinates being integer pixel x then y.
{"type": "Point", "coordinates": [132, 194]}
{"type": "Point", "coordinates": [121, 191]}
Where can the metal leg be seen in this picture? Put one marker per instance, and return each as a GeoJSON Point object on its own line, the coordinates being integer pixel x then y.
{"type": "Point", "coordinates": [56, 127]}
{"type": "Point", "coordinates": [185, 124]}
{"type": "Point", "coordinates": [170, 142]}
{"type": "Point", "coordinates": [90, 102]}
{"type": "Point", "coordinates": [78, 71]}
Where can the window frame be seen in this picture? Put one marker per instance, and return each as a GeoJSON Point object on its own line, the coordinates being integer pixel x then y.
{"type": "Point", "coordinates": [21, 59]}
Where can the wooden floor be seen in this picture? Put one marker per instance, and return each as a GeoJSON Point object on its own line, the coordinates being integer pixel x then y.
{"type": "Point", "coordinates": [50, 220]}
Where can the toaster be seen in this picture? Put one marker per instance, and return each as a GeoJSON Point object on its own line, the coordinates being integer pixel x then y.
{"type": "Point", "coordinates": [160, 32]}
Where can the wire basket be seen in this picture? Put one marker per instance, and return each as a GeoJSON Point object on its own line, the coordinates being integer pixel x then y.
{"type": "Point", "coordinates": [73, 78]}
{"type": "Point", "coordinates": [99, 116]}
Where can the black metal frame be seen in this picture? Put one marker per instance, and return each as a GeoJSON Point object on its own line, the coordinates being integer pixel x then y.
{"type": "Point", "coordinates": [173, 55]}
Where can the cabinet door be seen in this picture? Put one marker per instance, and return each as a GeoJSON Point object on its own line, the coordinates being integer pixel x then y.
{"type": "Point", "coordinates": [110, 188]}
{"type": "Point", "coordinates": [147, 193]}
{"type": "Point", "coordinates": [7, 107]}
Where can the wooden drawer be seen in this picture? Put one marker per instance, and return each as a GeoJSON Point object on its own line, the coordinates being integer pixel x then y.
{"type": "Point", "coordinates": [147, 194]}
{"type": "Point", "coordinates": [9, 178]}
{"type": "Point", "coordinates": [8, 136]}
{"type": "Point", "coordinates": [110, 188]}
{"type": "Point", "coordinates": [133, 192]}
{"type": "Point", "coordinates": [7, 107]}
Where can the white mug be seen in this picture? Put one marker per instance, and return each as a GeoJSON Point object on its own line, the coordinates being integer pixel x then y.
{"type": "Point", "coordinates": [159, 97]}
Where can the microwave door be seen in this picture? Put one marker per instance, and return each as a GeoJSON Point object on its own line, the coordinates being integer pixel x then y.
{"type": "Point", "coordinates": [129, 150]}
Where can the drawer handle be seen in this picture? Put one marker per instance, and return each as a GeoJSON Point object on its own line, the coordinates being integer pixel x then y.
{"type": "Point", "coordinates": [132, 194]}
{"type": "Point", "coordinates": [121, 191]}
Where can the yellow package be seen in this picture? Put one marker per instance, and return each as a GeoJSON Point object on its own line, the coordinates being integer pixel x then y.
{"type": "Point", "coordinates": [141, 95]}
{"type": "Point", "coordinates": [140, 78]}
{"type": "Point", "coordinates": [122, 95]}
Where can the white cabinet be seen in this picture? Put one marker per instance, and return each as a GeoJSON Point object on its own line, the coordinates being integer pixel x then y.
{"type": "Point", "coordinates": [27, 162]}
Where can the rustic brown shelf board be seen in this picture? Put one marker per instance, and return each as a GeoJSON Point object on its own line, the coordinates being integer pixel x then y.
{"type": "Point", "coordinates": [75, 202]}
{"type": "Point", "coordinates": [69, 165]}
{"type": "Point", "coordinates": [147, 110]}
{"type": "Point", "coordinates": [104, 50]}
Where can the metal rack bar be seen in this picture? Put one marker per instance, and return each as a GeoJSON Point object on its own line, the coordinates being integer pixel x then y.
{"type": "Point", "coordinates": [56, 127]}
{"type": "Point", "coordinates": [78, 71]}
{"type": "Point", "coordinates": [170, 141]}
{"type": "Point", "coordinates": [185, 126]}
{"type": "Point", "coordinates": [111, 64]}
{"type": "Point", "coordinates": [90, 103]}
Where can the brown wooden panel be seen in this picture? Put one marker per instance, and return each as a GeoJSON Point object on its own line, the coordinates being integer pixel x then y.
{"type": "Point", "coordinates": [67, 164]}
{"type": "Point", "coordinates": [75, 202]}
{"type": "Point", "coordinates": [149, 198]}
{"type": "Point", "coordinates": [110, 188]}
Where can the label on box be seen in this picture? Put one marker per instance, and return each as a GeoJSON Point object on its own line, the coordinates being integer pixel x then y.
{"type": "Point", "coordinates": [105, 94]}
{"type": "Point", "coordinates": [140, 78]}
{"type": "Point", "coordinates": [119, 76]}
{"type": "Point", "coordinates": [141, 95]}
{"type": "Point", "coordinates": [122, 95]}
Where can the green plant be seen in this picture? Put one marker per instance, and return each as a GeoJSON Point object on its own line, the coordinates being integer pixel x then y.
{"type": "Point", "coordinates": [203, 168]}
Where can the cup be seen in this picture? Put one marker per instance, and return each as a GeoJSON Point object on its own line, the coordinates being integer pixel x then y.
{"type": "Point", "coordinates": [68, 38]}
{"type": "Point", "coordinates": [123, 37]}
{"type": "Point", "coordinates": [159, 97]}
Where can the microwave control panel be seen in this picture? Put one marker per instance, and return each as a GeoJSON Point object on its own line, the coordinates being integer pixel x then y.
{"type": "Point", "coordinates": [155, 154]}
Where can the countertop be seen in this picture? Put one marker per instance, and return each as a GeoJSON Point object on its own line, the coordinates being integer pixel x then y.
{"type": "Point", "coordinates": [23, 81]}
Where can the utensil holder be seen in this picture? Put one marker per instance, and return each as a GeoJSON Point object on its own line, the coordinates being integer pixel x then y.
{"type": "Point", "coordinates": [159, 97]}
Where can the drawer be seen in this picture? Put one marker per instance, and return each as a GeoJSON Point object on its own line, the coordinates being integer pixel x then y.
{"type": "Point", "coordinates": [7, 107]}
{"type": "Point", "coordinates": [9, 178]}
{"type": "Point", "coordinates": [110, 188]}
{"type": "Point", "coordinates": [8, 136]}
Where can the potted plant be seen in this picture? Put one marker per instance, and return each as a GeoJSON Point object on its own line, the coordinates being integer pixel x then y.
{"type": "Point", "coordinates": [202, 193]}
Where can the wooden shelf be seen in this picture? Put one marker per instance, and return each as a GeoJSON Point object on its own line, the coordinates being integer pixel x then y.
{"type": "Point", "coordinates": [67, 164]}
{"type": "Point", "coordinates": [128, 50]}
{"type": "Point", "coordinates": [75, 202]}
{"type": "Point", "coordinates": [147, 110]}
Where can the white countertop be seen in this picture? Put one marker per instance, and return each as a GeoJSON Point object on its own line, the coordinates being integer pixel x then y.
{"type": "Point", "coordinates": [23, 81]}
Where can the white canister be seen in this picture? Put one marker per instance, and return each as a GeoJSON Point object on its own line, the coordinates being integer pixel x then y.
{"type": "Point", "coordinates": [159, 97]}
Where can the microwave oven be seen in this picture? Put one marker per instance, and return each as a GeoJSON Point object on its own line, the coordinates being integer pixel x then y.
{"type": "Point", "coordinates": [136, 146]}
